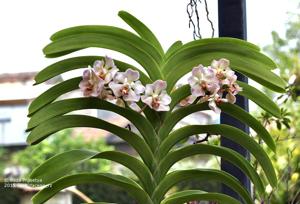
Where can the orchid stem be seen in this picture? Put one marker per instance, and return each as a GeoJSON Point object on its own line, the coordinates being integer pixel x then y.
{"type": "Point", "coordinates": [142, 110]}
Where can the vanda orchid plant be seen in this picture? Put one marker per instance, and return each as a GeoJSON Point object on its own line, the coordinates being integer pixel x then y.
{"type": "Point", "coordinates": [151, 102]}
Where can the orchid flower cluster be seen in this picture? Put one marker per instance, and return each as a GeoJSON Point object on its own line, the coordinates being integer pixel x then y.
{"type": "Point", "coordinates": [212, 83]}
{"type": "Point", "coordinates": [105, 81]}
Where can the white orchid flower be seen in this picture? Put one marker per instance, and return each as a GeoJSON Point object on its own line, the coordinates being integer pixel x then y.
{"type": "Point", "coordinates": [214, 101]}
{"type": "Point", "coordinates": [224, 72]}
{"type": "Point", "coordinates": [229, 77]}
{"type": "Point", "coordinates": [91, 84]}
{"type": "Point", "coordinates": [220, 64]}
{"type": "Point", "coordinates": [125, 85]}
{"type": "Point", "coordinates": [233, 90]}
{"type": "Point", "coordinates": [203, 81]}
{"type": "Point", "coordinates": [105, 69]}
{"type": "Point", "coordinates": [156, 96]}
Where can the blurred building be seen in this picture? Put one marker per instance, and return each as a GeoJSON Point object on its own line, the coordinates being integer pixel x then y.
{"type": "Point", "coordinates": [16, 93]}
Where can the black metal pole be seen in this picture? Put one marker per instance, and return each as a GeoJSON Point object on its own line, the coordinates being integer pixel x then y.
{"type": "Point", "coordinates": [232, 23]}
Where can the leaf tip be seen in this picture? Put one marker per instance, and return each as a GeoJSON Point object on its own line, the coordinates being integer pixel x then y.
{"type": "Point", "coordinates": [122, 13]}
{"type": "Point", "coordinates": [28, 129]}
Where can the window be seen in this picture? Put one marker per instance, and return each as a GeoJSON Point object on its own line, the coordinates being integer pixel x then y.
{"type": "Point", "coordinates": [13, 122]}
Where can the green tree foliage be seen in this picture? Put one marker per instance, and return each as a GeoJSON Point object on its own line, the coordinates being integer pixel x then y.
{"type": "Point", "coordinates": [33, 156]}
{"type": "Point", "coordinates": [286, 130]}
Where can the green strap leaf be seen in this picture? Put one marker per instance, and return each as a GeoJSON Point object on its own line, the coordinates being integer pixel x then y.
{"type": "Point", "coordinates": [179, 94]}
{"type": "Point", "coordinates": [192, 195]}
{"type": "Point", "coordinates": [141, 29]}
{"type": "Point", "coordinates": [125, 183]}
{"type": "Point", "coordinates": [113, 32]}
{"type": "Point", "coordinates": [245, 117]}
{"type": "Point", "coordinates": [153, 116]}
{"type": "Point", "coordinates": [78, 63]}
{"type": "Point", "coordinates": [225, 153]}
{"type": "Point", "coordinates": [245, 44]}
{"type": "Point", "coordinates": [231, 133]}
{"type": "Point", "coordinates": [53, 93]}
{"type": "Point", "coordinates": [135, 165]}
{"type": "Point", "coordinates": [99, 203]}
{"type": "Point", "coordinates": [61, 164]}
{"type": "Point", "coordinates": [116, 43]}
{"type": "Point", "coordinates": [68, 105]}
{"type": "Point", "coordinates": [56, 124]}
{"type": "Point", "coordinates": [173, 118]}
{"type": "Point", "coordinates": [259, 98]}
{"type": "Point", "coordinates": [246, 61]}
{"type": "Point", "coordinates": [173, 48]}
{"type": "Point", "coordinates": [248, 48]}
{"type": "Point", "coordinates": [200, 174]}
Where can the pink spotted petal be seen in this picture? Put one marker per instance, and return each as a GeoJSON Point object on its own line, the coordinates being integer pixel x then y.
{"type": "Point", "coordinates": [231, 98]}
{"type": "Point", "coordinates": [209, 74]}
{"type": "Point", "coordinates": [197, 91]}
{"type": "Point", "coordinates": [163, 108]}
{"type": "Point", "coordinates": [86, 74]}
{"type": "Point", "coordinates": [147, 100]}
{"type": "Point", "coordinates": [131, 96]}
{"type": "Point", "coordinates": [109, 62]}
{"type": "Point", "coordinates": [83, 85]}
{"type": "Point", "coordinates": [138, 87]}
{"type": "Point", "coordinates": [120, 77]}
{"type": "Point", "coordinates": [93, 77]}
{"type": "Point", "coordinates": [226, 82]}
{"type": "Point", "coordinates": [215, 64]}
{"type": "Point", "coordinates": [223, 63]}
{"type": "Point", "coordinates": [132, 75]}
{"type": "Point", "coordinates": [158, 86]}
{"type": "Point", "coordinates": [116, 88]}
{"type": "Point", "coordinates": [110, 75]}
{"type": "Point", "coordinates": [98, 65]}
{"type": "Point", "coordinates": [188, 100]}
{"type": "Point", "coordinates": [237, 89]}
{"type": "Point", "coordinates": [98, 89]}
{"type": "Point", "coordinates": [192, 80]}
{"type": "Point", "coordinates": [220, 64]}
{"type": "Point", "coordinates": [213, 87]}
{"type": "Point", "coordinates": [165, 99]}
{"type": "Point", "coordinates": [198, 71]}
{"type": "Point", "coordinates": [213, 106]}
{"type": "Point", "coordinates": [149, 90]}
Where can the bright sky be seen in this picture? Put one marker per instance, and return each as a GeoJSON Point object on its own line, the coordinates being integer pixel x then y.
{"type": "Point", "coordinates": [27, 25]}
